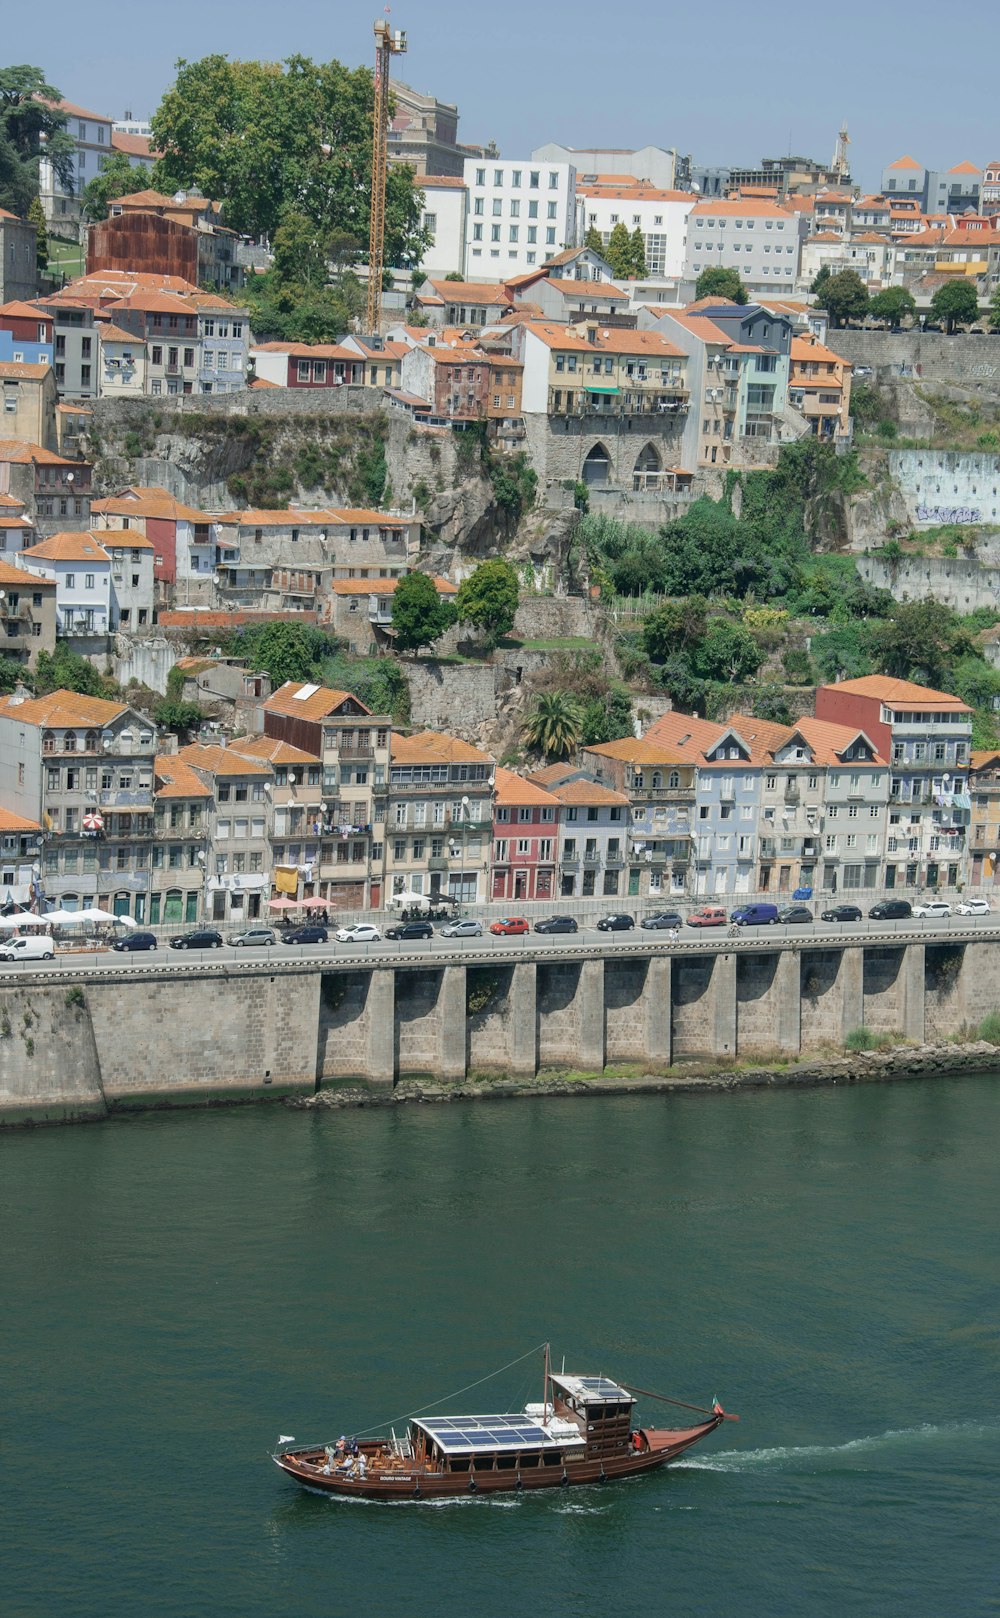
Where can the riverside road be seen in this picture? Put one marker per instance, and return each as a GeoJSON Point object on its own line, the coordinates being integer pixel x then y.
{"type": "Point", "coordinates": [570, 946]}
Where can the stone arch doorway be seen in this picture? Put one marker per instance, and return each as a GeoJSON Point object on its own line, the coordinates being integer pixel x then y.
{"type": "Point", "coordinates": [648, 468]}
{"type": "Point", "coordinates": [597, 467]}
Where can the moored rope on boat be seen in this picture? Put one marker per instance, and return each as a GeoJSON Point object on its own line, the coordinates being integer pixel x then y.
{"type": "Point", "coordinates": [368, 1431]}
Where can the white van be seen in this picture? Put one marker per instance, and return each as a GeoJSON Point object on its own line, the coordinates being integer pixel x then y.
{"type": "Point", "coordinates": [32, 947]}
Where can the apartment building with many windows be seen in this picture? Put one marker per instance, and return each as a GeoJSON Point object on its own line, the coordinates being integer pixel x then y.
{"type": "Point", "coordinates": [519, 214]}
{"type": "Point", "coordinates": [237, 871]}
{"type": "Point", "coordinates": [525, 839]}
{"type": "Point", "coordinates": [438, 822]}
{"type": "Point", "coordinates": [179, 853]}
{"type": "Point", "coordinates": [593, 832]}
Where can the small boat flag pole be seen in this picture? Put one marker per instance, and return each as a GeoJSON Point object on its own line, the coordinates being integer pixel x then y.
{"type": "Point", "coordinates": [716, 1409]}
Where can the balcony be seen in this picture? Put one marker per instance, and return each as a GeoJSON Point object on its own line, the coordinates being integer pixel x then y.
{"type": "Point", "coordinates": [792, 793]}
{"type": "Point", "coordinates": [126, 798]}
{"type": "Point", "coordinates": [592, 858]}
{"type": "Point", "coordinates": [569, 862]}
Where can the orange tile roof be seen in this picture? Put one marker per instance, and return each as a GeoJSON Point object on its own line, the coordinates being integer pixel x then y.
{"type": "Point", "coordinates": [19, 371]}
{"type": "Point", "coordinates": [132, 145]}
{"type": "Point", "coordinates": [588, 289]}
{"type": "Point", "coordinates": [906, 163]}
{"type": "Point", "coordinates": [109, 333]}
{"type": "Point", "coordinates": [23, 311]}
{"type": "Point", "coordinates": [140, 501]}
{"type": "Point", "coordinates": [433, 744]}
{"type": "Point", "coordinates": [216, 760]}
{"type": "Point", "coordinates": [316, 702]}
{"type": "Point", "coordinates": [586, 792]}
{"type": "Point", "coordinates": [18, 578]}
{"type": "Point", "coordinates": [899, 693]}
{"type": "Point", "coordinates": [361, 514]}
{"type": "Point", "coordinates": [312, 351]}
{"type": "Point", "coordinates": [440, 182]}
{"type": "Point", "coordinates": [740, 210]}
{"type": "Point", "coordinates": [11, 822]}
{"type": "Point", "coordinates": [262, 382]}
{"type": "Point", "coordinates": [511, 790]}
{"type": "Point", "coordinates": [73, 111]}
{"type": "Point", "coordinates": [17, 452]}
{"type": "Point", "coordinates": [809, 348]}
{"type": "Point", "coordinates": [384, 587]}
{"type": "Point", "coordinates": [9, 521]}
{"type": "Point", "coordinates": [272, 750]}
{"type": "Point", "coordinates": [173, 778]}
{"type": "Point", "coordinates": [829, 741]}
{"type": "Point", "coordinates": [983, 758]}
{"type": "Point", "coordinates": [125, 539]}
{"type": "Point", "coordinates": [614, 190]}
{"type": "Point", "coordinates": [639, 750]}
{"type": "Point", "coordinates": [964, 168]}
{"type": "Point", "coordinates": [155, 303]}
{"type": "Point", "coordinates": [469, 291]}
{"type": "Point", "coordinates": [70, 547]}
{"type": "Point", "coordinates": [63, 709]}
{"type": "Point", "coordinates": [701, 327]}
{"type": "Point", "coordinates": [118, 282]}
{"type": "Point", "coordinates": [209, 618]}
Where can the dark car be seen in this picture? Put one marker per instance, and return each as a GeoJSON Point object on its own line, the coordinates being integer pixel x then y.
{"type": "Point", "coordinates": [891, 910]}
{"type": "Point", "coordinates": [556, 924]}
{"type": "Point", "coordinates": [410, 929]}
{"type": "Point", "coordinates": [842, 913]}
{"type": "Point", "coordinates": [664, 918]}
{"type": "Point", "coordinates": [135, 941]}
{"type": "Point", "coordinates": [305, 935]}
{"type": "Point", "coordinates": [792, 915]}
{"type": "Point", "coordinates": [201, 938]}
{"type": "Point", "coordinates": [618, 923]}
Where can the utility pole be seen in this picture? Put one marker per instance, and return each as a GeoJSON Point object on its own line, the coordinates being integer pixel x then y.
{"type": "Point", "coordinates": [389, 42]}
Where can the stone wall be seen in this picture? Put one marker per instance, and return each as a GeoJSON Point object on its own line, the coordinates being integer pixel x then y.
{"type": "Point", "coordinates": [929, 357]}
{"type": "Point", "coordinates": [960, 582]}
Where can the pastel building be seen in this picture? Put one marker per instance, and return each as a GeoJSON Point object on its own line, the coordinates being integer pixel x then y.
{"type": "Point", "coordinates": [439, 818]}
{"type": "Point", "coordinates": [525, 839]}
{"type": "Point", "coordinates": [593, 832]}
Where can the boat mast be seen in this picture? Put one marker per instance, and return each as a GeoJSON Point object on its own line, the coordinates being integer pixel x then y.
{"type": "Point", "coordinates": [545, 1386]}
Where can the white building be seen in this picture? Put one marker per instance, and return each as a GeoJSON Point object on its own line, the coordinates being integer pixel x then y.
{"type": "Point", "coordinates": [660, 215]}
{"type": "Point", "coordinates": [657, 165]}
{"type": "Point", "coordinates": [759, 239]}
{"type": "Point", "coordinates": [91, 134]}
{"type": "Point", "coordinates": [81, 569]}
{"type": "Point", "coordinates": [446, 206]}
{"type": "Point", "coordinates": [520, 213]}
{"type": "Point", "coordinates": [131, 578]}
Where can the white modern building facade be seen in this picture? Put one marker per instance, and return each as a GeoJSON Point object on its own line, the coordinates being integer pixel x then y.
{"type": "Point", "coordinates": [520, 213]}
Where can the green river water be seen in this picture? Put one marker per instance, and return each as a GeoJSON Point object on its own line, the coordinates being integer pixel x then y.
{"type": "Point", "coordinates": [177, 1289]}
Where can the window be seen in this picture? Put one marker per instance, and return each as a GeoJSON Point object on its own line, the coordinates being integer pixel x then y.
{"type": "Point", "coordinates": [550, 238]}
{"type": "Point", "coordinates": [71, 581]}
{"type": "Point", "coordinates": [550, 212]}
{"type": "Point", "coordinates": [88, 581]}
{"type": "Point", "coordinates": [498, 177]}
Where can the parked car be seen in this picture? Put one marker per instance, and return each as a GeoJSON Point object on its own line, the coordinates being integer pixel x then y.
{"type": "Point", "coordinates": [312, 933]}
{"type": "Point", "coordinates": [363, 932]}
{"type": "Point", "coordinates": [410, 929]}
{"type": "Point", "coordinates": [135, 940]}
{"type": "Point", "coordinates": [201, 938]}
{"type": "Point", "coordinates": [891, 910]}
{"type": "Point", "coordinates": [509, 924]}
{"type": "Point", "coordinates": [468, 927]}
{"type": "Point", "coordinates": [620, 922]}
{"type": "Point", "coordinates": [556, 924]}
{"type": "Point", "coordinates": [793, 915]}
{"type": "Point", "coordinates": [762, 915]}
{"type": "Point", "coordinates": [842, 913]}
{"type": "Point", "coordinates": [707, 916]}
{"type": "Point", "coordinates": [928, 909]}
{"type": "Point", "coordinates": [973, 907]}
{"type": "Point", "coordinates": [664, 918]}
{"type": "Point", "coordinates": [252, 936]}
{"type": "Point", "coordinates": [32, 947]}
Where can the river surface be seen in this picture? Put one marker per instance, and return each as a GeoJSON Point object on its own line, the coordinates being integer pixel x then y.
{"type": "Point", "coordinates": [177, 1289]}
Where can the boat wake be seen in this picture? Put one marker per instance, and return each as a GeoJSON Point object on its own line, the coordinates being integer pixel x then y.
{"type": "Point", "coordinates": [803, 1456]}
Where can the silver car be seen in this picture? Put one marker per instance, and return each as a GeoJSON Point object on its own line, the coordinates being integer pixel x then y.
{"type": "Point", "coordinates": [467, 928]}
{"type": "Point", "coordinates": [252, 936]}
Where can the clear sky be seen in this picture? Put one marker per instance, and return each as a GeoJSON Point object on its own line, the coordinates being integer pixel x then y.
{"type": "Point", "coordinates": [729, 83]}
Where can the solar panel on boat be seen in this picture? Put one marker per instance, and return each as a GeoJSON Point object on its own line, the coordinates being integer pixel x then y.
{"type": "Point", "coordinates": [487, 1432]}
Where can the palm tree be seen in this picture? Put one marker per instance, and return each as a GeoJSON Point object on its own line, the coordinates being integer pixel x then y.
{"type": "Point", "coordinates": [553, 725]}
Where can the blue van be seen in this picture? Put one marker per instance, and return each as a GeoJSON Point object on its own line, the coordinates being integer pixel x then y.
{"type": "Point", "coordinates": [755, 915]}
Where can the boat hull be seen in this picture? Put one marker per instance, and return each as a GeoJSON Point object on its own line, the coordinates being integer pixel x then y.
{"type": "Point", "coordinates": [661, 1447]}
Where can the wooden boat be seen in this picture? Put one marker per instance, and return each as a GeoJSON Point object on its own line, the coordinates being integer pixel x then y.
{"type": "Point", "coordinates": [583, 1431]}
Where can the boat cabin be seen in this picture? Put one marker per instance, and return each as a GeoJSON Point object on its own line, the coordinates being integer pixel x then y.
{"type": "Point", "coordinates": [601, 1409]}
{"type": "Point", "coordinates": [504, 1443]}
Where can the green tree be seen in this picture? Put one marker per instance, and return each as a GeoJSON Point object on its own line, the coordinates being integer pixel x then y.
{"type": "Point", "coordinates": [419, 615]}
{"type": "Point", "coordinates": [820, 279]}
{"type": "Point", "coordinates": [955, 304]}
{"type": "Point", "coordinates": [36, 217]}
{"type": "Point", "coordinates": [283, 650]}
{"type": "Point", "coordinates": [263, 137]}
{"type": "Point", "coordinates": [13, 674]}
{"type": "Point", "coordinates": [995, 309]}
{"type": "Point", "coordinates": [921, 641]}
{"type": "Point", "coordinates": [720, 282]}
{"type": "Point", "coordinates": [594, 240]}
{"type": "Point", "coordinates": [181, 717]}
{"type": "Point", "coordinates": [798, 666]}
{"type": "Point", "coordinates": [637, 253]}
{"type": "Point", "coordinates": [677, 626]}
{"type": "Point", "coordinates": [843, 653]}
{"type": "Point", "coordinates": [844, 297]}
{"type": "Point", "coordinates": [618, 252]}
{"type": "Point", "coordinates": [607, 717]}
{"type": "Point", "coordinates": [117, 179]}
{"type": "Point", "coordinates": [893, 305]}
{"type": "Point", "coordinates": [30, 123]}
{"type": "Point", "coordinates": [63, 670]}
{"type": "Point", "coordinates": [728, 652]}
{"type": "Point", "coordinates": [488, 599]}
{"type": "Point", "coordinates": [771, 703]}
{"type": "Point", "coordinates": [553, 725]}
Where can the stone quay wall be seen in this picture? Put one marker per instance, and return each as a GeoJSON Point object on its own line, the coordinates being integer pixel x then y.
{"type": "Point", "coordinates": [83, 1044]}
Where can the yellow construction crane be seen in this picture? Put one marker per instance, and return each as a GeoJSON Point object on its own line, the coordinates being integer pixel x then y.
{"type": "Point", "coordinates": [389, 42]}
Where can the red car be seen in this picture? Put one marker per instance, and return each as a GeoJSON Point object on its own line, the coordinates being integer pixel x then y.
{"type": "Point", "coordinates": [707, 916]}
{"type": "Point", "coordinates": [509, 924]}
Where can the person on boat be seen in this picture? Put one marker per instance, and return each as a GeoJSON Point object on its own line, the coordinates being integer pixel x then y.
{"type": "Point", "coordinates": [637, 1441]}
{"type": "Point", "coordinates": [352, 1447]}
{"type": "Point", "coordinates": [362, 1466]}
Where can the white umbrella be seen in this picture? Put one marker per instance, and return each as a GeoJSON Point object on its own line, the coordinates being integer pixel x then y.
{"type": "Point", "coordinates": [21, 918]}
{"type": "Point", "coordinates": [418, 900]}
{"type": "Point", "coordinates": [95, 913]}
